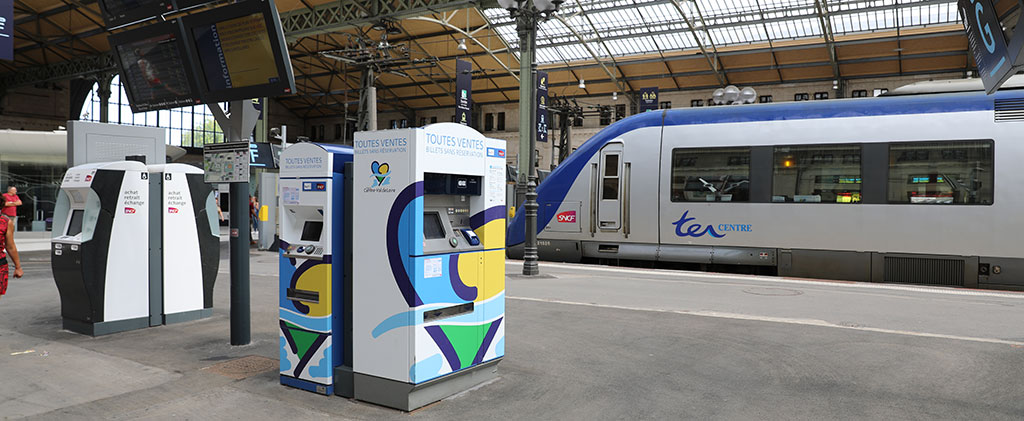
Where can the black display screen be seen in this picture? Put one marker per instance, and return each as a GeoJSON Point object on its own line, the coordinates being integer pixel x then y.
{"type": "Point", "coordinates": [239, 51]}
{"type": "Point", "coordinates": [121, 12]}
{"type": "Point", "coordinates": [432, 228]}
{"type": "Point", "coordinates": [434, 183]}
{"type": "Point", "coordinates": [75, 224]}
{"type": "Point", "coordinates": [154, 67]}
{"type": "Point", "coordinates": [311, 230]}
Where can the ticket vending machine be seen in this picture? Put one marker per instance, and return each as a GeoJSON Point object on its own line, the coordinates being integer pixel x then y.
{"type": "Point", "coordinates": [186, 255]}
{"type": "Point", "coordinates": [428, 286]}
{"type": "Point", "coordinates": [100, 247]}
{"type": "Point", "coordinates": [311, 293]}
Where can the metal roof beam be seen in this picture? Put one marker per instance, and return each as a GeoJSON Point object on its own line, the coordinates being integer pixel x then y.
{"type": "Point", "coordinates": [826, 32]}
{"type": "Point", "coordinates": [771, 48]}
{"type": "Point", "coordinates": [51, 12]}
{"type": "Point", "coordinates": [785, 13]}
{"type": "Point", "coordinates": [701, 88]}
{"type": "Point", "coordinates": [708, 72]}
{"type": "Point", "coordinates": [672, 27]}
{"type": "Point", "coordinates": [472, 38]}
{"type": "Point", "coordinates": [334, 16]}
{"type": "Point", "coordinates": [618, 83]}
{"type": "Point", "coordinates": [89, 65]}
{"type": "Point", "coordinates": [712, 61]}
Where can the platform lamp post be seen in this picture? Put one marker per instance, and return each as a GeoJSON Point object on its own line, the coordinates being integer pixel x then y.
{"type": "Point", "coordinates": [527, 16]}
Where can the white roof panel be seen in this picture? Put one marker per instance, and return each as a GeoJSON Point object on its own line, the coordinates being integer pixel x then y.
{"type": "Point", "coordinates": [614, 28]}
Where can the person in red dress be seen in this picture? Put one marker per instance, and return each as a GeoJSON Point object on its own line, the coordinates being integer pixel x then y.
{"type": "Point", "coordinates": [7, 246]}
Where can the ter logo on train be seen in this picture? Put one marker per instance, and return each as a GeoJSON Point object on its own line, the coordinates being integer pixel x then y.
{"type": "Point", "coordinates": [687, 226]}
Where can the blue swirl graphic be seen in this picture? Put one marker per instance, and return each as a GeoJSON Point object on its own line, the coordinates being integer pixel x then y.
{"type": "Point", "coordinates": [694, 230]}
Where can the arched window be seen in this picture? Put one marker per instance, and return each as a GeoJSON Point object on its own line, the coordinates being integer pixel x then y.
{"type": "Point", "coordinates": [189, 126]}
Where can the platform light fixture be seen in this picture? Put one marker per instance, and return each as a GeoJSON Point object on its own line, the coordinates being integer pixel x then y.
{"type": "Point", "coordinates": [583, 84]}
{"type": "Point", "coordinates": [462, 45]}
{"type": "Point", "coordinates": [615, 96]}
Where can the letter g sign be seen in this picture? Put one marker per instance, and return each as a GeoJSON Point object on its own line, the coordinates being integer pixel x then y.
{"type": "Point", "coordinates": [986, 30]}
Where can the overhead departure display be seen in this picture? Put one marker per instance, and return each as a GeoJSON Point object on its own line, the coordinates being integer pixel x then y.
{"type": "Point", "coordinates": [240, 52]}
{"type": "Point", "coordinates": [154, 67]}
{"type": "Point", "coordinates": [122, 12]}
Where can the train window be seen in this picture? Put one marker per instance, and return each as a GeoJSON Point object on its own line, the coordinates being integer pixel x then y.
{"type": "Point", "coordinates": [696, 103]}
{"type": "Point", "coordinates": [610, 180]}
{"type": "Point", "coordinates": [956, 172]}
{"type": "Point", "coordinates": [620, 111]}
{"type": "Point", "coordinates": [817, 174]}
{"type": "Point", "coordinates": [711, 175]}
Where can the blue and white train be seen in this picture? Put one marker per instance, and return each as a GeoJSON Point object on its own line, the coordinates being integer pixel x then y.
{"type": "Point", "coordinates": [921, 186]}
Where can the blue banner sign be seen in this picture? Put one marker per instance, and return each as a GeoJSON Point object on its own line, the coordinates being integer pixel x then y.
{"type": "Point", "coordinates": [463, 92]}
{"type": "Point", "coordinates": [7, 30]}
{"type": "Point", "coordinates": [648, 99]}
{"type": "Point", "coordinates": [542, 106]}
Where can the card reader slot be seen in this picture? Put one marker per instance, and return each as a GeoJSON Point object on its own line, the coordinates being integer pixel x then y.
{"type": "Point", "coordinates": [303, 295]}
{"type": "Point", "coordinates": [444, 313]}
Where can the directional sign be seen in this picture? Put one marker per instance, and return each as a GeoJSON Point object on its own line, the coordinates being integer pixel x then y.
{"type": "Point", "coordinates": [996, 59]}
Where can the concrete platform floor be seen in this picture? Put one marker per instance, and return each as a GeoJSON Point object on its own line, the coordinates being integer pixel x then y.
{"type": "Point", "coordinates": [589, 343]}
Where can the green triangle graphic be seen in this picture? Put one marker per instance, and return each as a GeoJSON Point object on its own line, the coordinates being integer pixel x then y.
{"type": "Point", "coordinates": [303, 339]}
{"type": "Point", "coordinates": [466, 340]}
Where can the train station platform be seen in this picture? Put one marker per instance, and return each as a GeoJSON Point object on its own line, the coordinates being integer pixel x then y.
{"type": "Point", "coordinates": [584, 342]}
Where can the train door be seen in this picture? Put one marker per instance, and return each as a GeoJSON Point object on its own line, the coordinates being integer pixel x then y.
{"type": "Point", "coordinates": [609, 208]}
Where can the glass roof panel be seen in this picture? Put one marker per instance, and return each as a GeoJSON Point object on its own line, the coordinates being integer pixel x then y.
{"type": "Point", "coordinates": [631, 27]}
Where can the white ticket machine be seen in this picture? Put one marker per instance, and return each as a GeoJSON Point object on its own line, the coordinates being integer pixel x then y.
{"type": "Point", "coordinates": [428, 272]}
{"type": "Point", "coordinates": [187, 254]}
{"type": "Point", "coordinates": [100, 247]}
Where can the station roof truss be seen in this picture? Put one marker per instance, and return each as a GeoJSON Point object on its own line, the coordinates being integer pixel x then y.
{"type": "Point", "coordinates": [614, 45]}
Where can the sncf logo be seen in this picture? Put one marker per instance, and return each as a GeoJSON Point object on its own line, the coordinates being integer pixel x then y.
{"type": "Point", "coordinates": [172, 210]}
{"type": "Point", "coordinates": [568, 217]}
{"type": "Point", "coordinates": [129, 210]}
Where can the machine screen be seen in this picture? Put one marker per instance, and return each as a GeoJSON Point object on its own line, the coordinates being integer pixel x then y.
{"type": "Point", "coordinates": [75, 225]}
{"type": "Point", "coordinates": [311, 230]}
{"type": "Point", "coordinates": [432, 228]}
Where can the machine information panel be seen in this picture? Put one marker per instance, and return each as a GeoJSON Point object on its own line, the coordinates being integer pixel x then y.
{"type": "Point", "coordinates": [226, 162]}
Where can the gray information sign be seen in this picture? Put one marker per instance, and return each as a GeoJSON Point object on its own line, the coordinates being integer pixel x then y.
{"type": "Point", "coordinates": [226, 162]}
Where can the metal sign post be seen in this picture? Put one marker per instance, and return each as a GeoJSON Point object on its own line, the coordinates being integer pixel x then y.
{"type": "Point", "coordinates": [229, 163]}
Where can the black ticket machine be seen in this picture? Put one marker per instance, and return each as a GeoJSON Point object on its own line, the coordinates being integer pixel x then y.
{"type": "Point", "coordinates": [100, 247]}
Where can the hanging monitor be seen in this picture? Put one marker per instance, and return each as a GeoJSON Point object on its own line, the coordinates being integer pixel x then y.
{"type": "Point", "coordinates": [122, 12]}
{"type": "Point", "coordinates": [153, 67]}
{"type": "Point", "coordinates": [240, 52]}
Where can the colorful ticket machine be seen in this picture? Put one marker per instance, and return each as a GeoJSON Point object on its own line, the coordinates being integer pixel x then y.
{"type": "Point", "coordinates": [187, 254]}
{"type": "Point", "coordinates": [100, 247]}
{"type": "Point", "coordinates": [428, 269]}
{"type": "Point", "coordinates": [311, 265]}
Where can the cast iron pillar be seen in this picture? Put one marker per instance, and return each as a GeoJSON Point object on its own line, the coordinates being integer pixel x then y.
{"type": "Point", "coordinates": [527, 26]}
